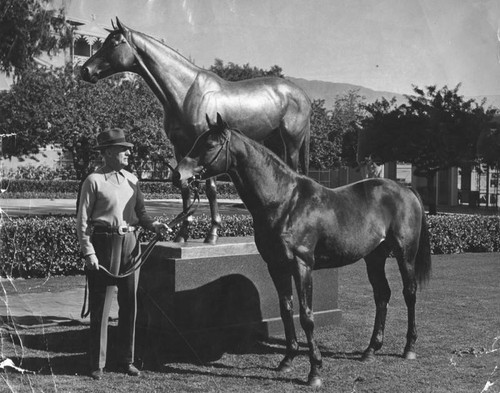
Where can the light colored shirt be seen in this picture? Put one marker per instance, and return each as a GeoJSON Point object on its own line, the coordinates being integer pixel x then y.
{"type": "Point", "coordinates": [110, 198]}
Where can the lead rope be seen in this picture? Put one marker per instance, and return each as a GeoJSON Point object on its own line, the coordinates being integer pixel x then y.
{"type": "Point", "coordinates": [142, 258]}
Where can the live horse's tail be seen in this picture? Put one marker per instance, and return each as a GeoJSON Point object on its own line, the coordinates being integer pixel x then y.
{"type": "Point", "coordinates": [423, 259]}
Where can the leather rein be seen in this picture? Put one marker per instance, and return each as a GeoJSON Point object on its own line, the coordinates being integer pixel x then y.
{"type": "Point", "coordinates": [142, 258]}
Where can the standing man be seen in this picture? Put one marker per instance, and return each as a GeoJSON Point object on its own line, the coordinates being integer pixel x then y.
{"type": "Point", "coordinates": [110, 210]}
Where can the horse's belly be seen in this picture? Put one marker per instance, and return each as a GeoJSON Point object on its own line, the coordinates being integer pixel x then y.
{"type": "Point", "coordinates": [344, 253]}
{"type": "Point", "coordinates": [329, 261]}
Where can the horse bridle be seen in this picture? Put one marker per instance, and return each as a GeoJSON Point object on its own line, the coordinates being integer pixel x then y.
{"type": "Point", "coordinates": [204, 168]}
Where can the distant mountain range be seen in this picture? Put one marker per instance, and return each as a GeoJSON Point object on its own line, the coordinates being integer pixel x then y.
{"type": "Point", "coordinates": [329, 91]}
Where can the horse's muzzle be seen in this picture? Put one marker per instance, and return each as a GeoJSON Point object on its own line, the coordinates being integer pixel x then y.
{"type": "Point", "coordinates": [178, 182]}
{"type": "Point", "coordinates": [85, 74]}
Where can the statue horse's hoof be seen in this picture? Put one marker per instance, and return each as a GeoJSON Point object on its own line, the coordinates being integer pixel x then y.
{"type": "Point", "coordinates": [180, 239]}
{"type": "Point", "coordinates": [315, 382]}
{"type": "Point", "coordinates": [211, 239]}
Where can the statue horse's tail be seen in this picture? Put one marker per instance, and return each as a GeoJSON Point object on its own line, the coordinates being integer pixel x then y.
{"type": "Point", "coordinates": [423, 258]}
{"type": "Point", "coordinates": [304, 151]}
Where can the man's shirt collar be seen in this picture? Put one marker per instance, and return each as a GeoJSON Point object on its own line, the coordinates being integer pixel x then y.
{"type": "Point", "coordinates": [115, 174]}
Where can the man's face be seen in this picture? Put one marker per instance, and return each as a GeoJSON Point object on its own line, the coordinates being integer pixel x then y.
{"type": "Point", "coordinates": [117, 157]}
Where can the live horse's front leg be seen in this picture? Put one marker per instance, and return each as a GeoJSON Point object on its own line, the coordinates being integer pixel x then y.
{"type": "Point", "coordinates": [211, 191]}
{"type": "Point", "coordinates": [283, 283]}
{"type": "Point", "coordinates": [187, 197]}
{"type": "Point", "coordinates": [304, 285]}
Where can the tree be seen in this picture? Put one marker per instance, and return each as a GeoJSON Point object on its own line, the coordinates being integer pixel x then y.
{"type": "Point", "coordinates": [488, 144]}
{"type": "Point", "coordinates": [28, 28]}
{"type": "Point", "coordinates": [348, 111]}
{"type": "Point", "coordinates": [333, 136]}
{"type": "Point", "coordinates": [235, 72]}
{"type": "Point", "coordinates": [323, 152]}
{"type": "Point", "coordinates": [52, 106]}
{"type": "Point", "coordinates": [435, 130]}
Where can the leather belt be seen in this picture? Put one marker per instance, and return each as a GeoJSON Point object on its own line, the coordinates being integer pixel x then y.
{"type": "Point", "coordinates": [120, 229]}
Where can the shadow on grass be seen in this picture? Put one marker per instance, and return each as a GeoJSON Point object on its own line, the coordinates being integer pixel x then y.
{"type": "Point", "coordinates": [180, 371]}
{"type": "Point", "coordinates": [63, 352]}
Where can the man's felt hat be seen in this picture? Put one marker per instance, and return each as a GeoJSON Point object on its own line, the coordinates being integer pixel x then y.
{"type": "Point", "coordinates": [112, 137]}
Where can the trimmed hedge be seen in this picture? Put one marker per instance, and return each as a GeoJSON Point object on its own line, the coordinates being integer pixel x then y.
{"type": "Point", "coordinates": [459, 233]}
{"type": "Point", "coordinates": [47, 245]}
{"type": "Point", "coordinates": [26, 189]}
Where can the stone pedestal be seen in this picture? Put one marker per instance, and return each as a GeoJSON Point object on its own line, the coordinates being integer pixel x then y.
{"type": "Point", "coordinates": [196, 294]}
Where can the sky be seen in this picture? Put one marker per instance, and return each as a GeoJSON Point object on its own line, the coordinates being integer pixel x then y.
{"type": "Point", "coordinates": [386, 45]}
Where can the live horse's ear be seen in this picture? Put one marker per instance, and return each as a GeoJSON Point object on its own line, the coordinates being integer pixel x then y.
{"type": "Point", "coordinates": [210, 125]}
{"type": "Point", "coordinates": [220, 122]}
{"type": "Point", "coordinates": [121, 26]}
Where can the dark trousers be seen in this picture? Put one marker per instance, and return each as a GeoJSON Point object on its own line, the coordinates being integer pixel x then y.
{"type": "Point", "coordinates": [115, 252]}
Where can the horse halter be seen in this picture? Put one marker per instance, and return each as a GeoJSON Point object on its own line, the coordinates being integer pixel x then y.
{"type": "Point", "coordinates": [204, 168]}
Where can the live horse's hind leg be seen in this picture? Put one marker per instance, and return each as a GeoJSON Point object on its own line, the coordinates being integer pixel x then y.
{"type": "Point", "coordinates": [407, 270]}
{"type": "Point", "coordinates": [211, 191]}
{"type": "Point", "coordinates": [375, 265]}
{"type": "Point", "coordinates": [304, 285]}
{"type": "Point", "coordinates": [283, 282]}
{"type": "Point", "coordinates": [183, 233]}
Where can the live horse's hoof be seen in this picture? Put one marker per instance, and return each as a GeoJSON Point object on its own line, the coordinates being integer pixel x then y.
{"type": "Point", "coordinates": [315, 382]}
{"type": "Point", "coordinates": [368, 356]}
{"type": "Point", "coordinates": [410, 355]}
{"type": "Point", "coordinates": [285, 366]}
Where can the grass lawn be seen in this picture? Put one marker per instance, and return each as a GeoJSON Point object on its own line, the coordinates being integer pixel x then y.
{"type": "Point", "coordinates": [458, 320]}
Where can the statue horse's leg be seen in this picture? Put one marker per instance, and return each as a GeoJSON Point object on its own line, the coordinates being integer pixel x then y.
{"type": "Point", "coordinates": [375, 265]}
{"type": "Point", "coordinates": [183, 233]}
{"type": "Point", "coordinates": [304, 285]}
{"type": "Point", "coordinates": [211, 191]}
{"type": "Point", "coordinates": [283, 282]}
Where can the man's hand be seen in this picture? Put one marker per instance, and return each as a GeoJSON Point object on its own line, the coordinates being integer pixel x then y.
{"type": "Point", "coordinates": [161, 227]}
{"type": "Point", "coordinates": [91, 262]}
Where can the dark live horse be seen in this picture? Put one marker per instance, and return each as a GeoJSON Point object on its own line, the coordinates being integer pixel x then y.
{"type": "Point", "coordinates": [270, 110]}
{"type": "Point", "coordinates": [301, 226]}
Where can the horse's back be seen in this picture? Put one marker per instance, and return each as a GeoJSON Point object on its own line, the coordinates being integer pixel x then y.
{"type": "Point", "coordinates": [381, 203]}
{"type": "Point", "coordinates": [256, 106]}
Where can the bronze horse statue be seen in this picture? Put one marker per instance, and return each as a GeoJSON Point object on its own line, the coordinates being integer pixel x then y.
{"type": "Point", "coordinates": [301, 226]}
{"type": "Point", "coordinates": [270, 110]}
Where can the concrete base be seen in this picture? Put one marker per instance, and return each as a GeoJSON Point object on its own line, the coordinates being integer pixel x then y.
{"type": "Point", "coordinates": [195, 294]}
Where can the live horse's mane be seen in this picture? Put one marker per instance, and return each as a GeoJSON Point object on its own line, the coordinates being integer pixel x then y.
{"type": "Point", "coordinates": [271, 156]}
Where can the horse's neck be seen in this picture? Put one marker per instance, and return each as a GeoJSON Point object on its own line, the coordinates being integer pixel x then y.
{"type": "Point", "coordinates": [263, 182]}
{"type": "Point", "coordinates": [167, 72]}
